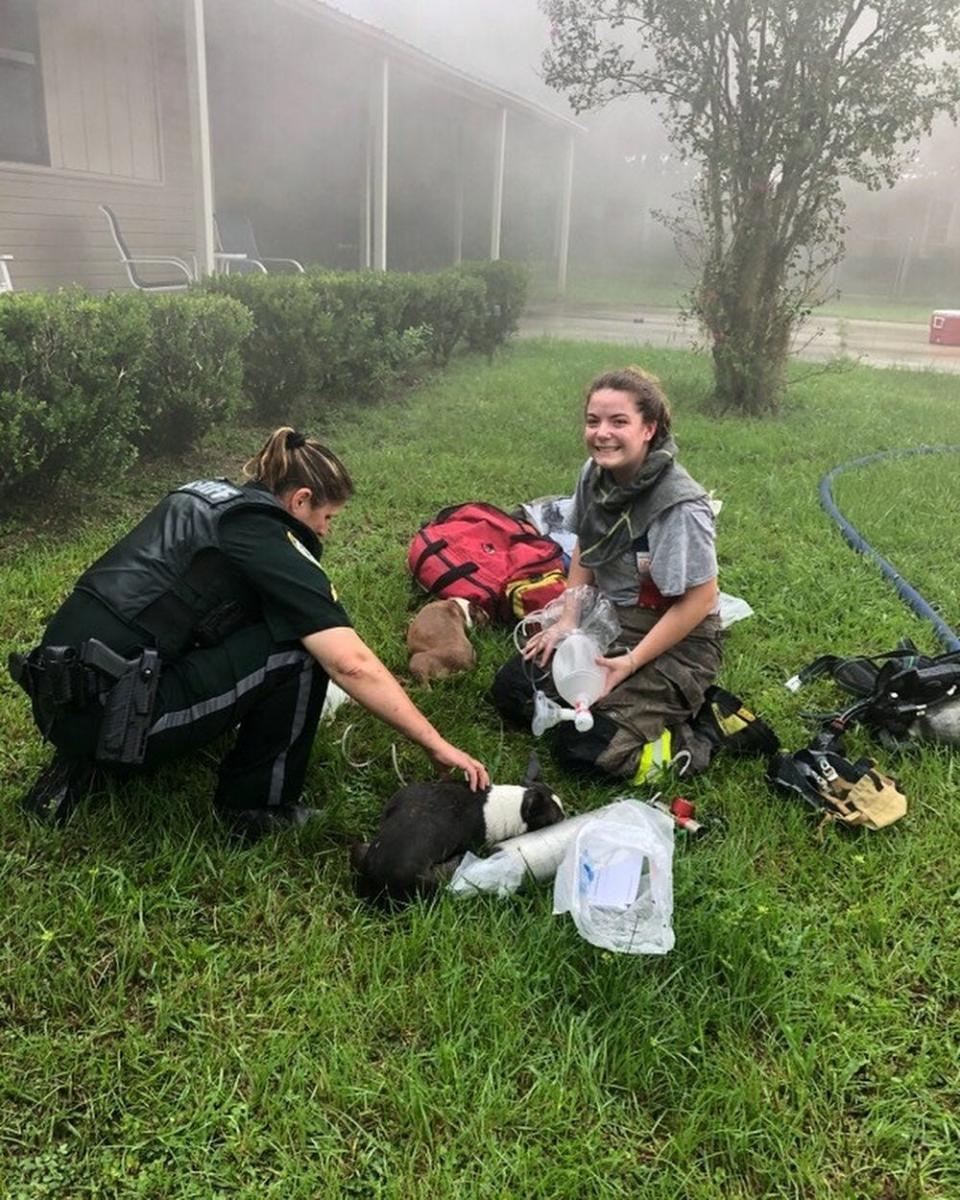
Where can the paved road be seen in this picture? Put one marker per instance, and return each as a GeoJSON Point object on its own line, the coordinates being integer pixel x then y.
{"type": "Point", "coordinates": [876, 343]}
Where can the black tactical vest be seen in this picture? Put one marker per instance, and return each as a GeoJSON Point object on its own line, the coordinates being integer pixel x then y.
{"type": "Point", "coordinates": [169, 578]}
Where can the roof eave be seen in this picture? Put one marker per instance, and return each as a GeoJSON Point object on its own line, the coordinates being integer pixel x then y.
{"type": "Point", "coordinates": [449, 77]}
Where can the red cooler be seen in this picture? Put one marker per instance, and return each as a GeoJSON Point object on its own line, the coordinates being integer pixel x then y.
{"type": "Point", "coordinates": [945, 327]}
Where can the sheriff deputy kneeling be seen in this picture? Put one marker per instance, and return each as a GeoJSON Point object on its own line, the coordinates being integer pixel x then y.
{"type": "Point", "coordinates": [214, 613]}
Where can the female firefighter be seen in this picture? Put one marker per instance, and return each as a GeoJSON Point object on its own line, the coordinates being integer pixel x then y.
{"type": "Point", "coordinates": [645, 540]}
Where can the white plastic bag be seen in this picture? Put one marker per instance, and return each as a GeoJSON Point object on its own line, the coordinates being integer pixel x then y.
{"type": "Point", "coordinates": [501, 873]}
{"type": "Point", "coordinates": [335, 698]}
{"type": "Point", "coordinates": [616, 880]}
{"type": "Point", "coordinates": [733, 609]}
{"type": "Point", "coordinates": [549, 515]}
{"type": "Point", "coordinates": [590, 610]}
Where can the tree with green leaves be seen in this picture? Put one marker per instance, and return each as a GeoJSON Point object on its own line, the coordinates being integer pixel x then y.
{"type": "Point", "coordinates": [775, 102]}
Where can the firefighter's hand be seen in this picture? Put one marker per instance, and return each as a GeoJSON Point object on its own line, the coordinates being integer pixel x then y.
{"type": "Point", "coordinates": [618, 669]}
{"type": "Point", "coordinates": [541, 645]}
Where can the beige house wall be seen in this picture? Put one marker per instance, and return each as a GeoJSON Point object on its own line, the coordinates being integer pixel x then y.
{"type": "Point", "coordinates": [118, 124]}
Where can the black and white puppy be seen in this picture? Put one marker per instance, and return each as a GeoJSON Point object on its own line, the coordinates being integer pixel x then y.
{"type": "Point", "coordinates": [425, 828]}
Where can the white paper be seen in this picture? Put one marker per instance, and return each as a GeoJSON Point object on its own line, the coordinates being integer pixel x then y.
{"type": "Point", "coordinates": [616, 884]}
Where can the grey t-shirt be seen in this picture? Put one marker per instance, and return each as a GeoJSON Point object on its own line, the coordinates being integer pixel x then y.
{"type": "Point", "coordinates": [679, 553]}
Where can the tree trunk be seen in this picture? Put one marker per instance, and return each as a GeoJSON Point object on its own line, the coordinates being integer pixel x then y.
{"type": "Point", "coordinates": [749, 366]}
{"type": "Point", "coordinates": [745, 310]}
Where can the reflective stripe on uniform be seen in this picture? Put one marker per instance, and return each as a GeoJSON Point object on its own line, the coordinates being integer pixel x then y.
{"type": "Point", "coordinates": [734, 722]}
{"type": "Point", "coordinates": [203, 708]}
{"type": "Point", "coordinates": [278, 775]}
{"type": "Point", "coordinates": [654, 757]}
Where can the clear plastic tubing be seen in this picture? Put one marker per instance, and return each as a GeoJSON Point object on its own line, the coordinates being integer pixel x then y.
{"type": "Point", "coordinates": [577, 677]}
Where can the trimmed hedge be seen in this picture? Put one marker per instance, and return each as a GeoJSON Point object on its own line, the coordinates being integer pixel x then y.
{"type": "Point", "coordinates": [191, 373]}
{"type": "Point", "coordinates": [87, 382]}
{"type": "Point", "coordinates": [69, 366]}
{"type": "Point", "coordinates": [505, 284]}
{"type": "Point", "coordinates": [349, 337]}
{"type": "Point", "coordinates": [450, 305]}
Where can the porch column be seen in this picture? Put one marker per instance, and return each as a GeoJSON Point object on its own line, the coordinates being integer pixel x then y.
{"type": "Point", "coordinates": [366, 208]}
{"type": "Point", "coordinates": [903, 267]}
{"type": "Point", "coordinates": [563, 221]}
{"type": "Point", "coordinates": [499, 162]}
{"type": "Point", "coordinates": [953, 224]}
{"type": "Point", "coordinates": [458, 202]}
{"type": "Point", "coordinates": [200, 132]}
{"type": "Point", "coordinates": [381, 155]}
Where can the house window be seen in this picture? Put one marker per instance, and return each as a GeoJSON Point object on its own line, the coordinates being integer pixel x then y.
{"type": "Point", "coordinates": [23, 124]}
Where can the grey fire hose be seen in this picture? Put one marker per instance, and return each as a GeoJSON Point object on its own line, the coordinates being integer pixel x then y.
{"type": "Point", "coordinates": [920, 606]}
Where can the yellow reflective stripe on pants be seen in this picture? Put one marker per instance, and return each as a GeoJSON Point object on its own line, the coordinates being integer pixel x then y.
{"type": "Point", "coordinates": [654, 756]}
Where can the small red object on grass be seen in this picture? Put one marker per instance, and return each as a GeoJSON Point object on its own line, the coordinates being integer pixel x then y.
{"type": "Point", "coordinates": [682, 808]}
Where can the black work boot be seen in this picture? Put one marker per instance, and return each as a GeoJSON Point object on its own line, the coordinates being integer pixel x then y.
{"type": "Point", "coordinates": [58, 789]}
{"type": "Point", "coordinates": [727, 724]}
{"type": "Point", "coordinates": [249, 825]}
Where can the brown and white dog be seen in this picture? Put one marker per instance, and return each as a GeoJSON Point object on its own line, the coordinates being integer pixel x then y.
{"type": "Point", "coordinates": [437, 639]}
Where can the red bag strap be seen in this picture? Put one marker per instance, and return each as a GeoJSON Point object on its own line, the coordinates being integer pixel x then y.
{"type": "Point", "coordinates": [429, 548]}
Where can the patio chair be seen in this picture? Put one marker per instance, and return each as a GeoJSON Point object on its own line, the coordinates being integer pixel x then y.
{"type": "Point", "coordinates": [131, 264]}
{"type": "Point", "coordinates": [6, 283]}
{"type": "Point", "coordinates": [235, 236]}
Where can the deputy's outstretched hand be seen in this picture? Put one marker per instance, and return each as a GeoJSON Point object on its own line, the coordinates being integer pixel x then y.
{"type": "Point", "coordinates": [447, 759]}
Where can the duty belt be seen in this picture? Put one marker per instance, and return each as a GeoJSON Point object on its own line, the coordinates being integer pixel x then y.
{"type": "Point", "coordinates": [76, 678]}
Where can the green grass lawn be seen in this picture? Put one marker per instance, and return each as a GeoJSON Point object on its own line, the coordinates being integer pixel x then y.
{"type": "Point", "coordinates": [182, 1019]}
{"type": "Point", "coordinates": [658, 288]}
